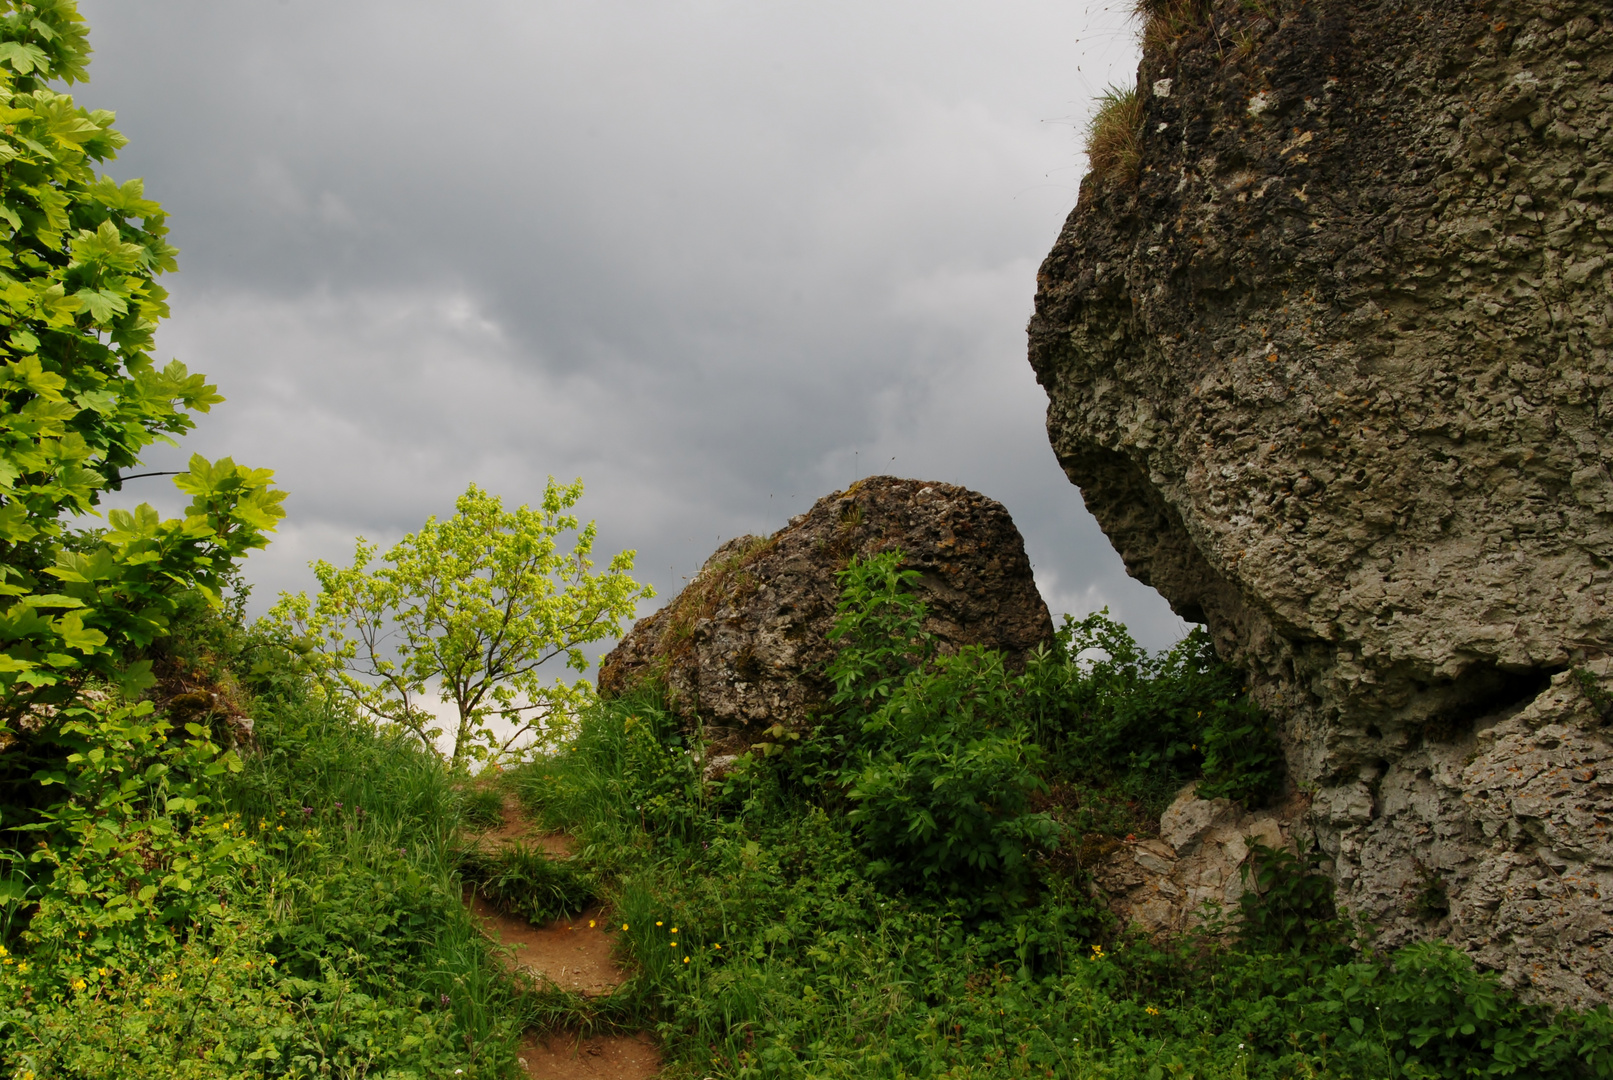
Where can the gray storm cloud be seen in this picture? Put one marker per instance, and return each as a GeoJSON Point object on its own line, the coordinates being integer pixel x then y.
{"type": "Point", "coordinates": [716, 258]}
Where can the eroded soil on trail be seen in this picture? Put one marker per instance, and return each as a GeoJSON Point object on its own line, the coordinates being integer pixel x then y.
{"type": "Point", "coordinates": [515, 828]}
{"type": "Point", "coordinates": [573, 954]}
{"type": "Point", "coordinates": [605, 1057]}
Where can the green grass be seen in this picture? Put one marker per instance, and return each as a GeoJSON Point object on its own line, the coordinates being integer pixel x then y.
{"type": "Point", "coordinates": [368, 888]}
{"type": "Point", "coordinates": [770, 938]}
{"type": "Point", "coordinates": [482, 806]}
{"type": "Point", "coordinates": [325, 934]}
{"type": "Point", "coordinates": [790, 959]}
{"type": "Point", "coordinates": [528, 882]}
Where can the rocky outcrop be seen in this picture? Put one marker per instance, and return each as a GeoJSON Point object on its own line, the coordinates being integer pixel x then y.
{"type": "Point", "coordinates": [744, 645]}
{"type": "Point", "coordinates": [1194, 869]}
{"type": "Point", "coordinates": [1333, 375]}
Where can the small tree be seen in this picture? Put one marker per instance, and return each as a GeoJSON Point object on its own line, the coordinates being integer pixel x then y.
{"type": "Point", "coordinates": [470, 608]}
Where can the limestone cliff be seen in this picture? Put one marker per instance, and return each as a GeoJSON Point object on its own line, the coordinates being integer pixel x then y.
{"type": "Point", "coordinates": [1333, 375]}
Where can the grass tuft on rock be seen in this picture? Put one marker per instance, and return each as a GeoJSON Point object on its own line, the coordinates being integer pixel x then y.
{"type": "Point", "coordinates": [1114, 137]}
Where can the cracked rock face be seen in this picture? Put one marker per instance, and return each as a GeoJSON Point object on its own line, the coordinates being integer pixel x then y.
{"type": "Point", "coordinates": [744, 645]}
{"type": "Point", "coordinates": [1334, 377]}
{"type": "Point", "coordinates": [1166, 885]}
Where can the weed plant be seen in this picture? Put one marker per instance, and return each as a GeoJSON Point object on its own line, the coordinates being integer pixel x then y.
{"type": "Point", "coordinates": [806, 915]}
{"type": "Point", "coordinates": [482, 806]}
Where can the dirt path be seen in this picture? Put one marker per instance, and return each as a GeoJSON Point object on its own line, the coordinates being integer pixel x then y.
{"type": "Point", "coordinates": [573, 954]}
{"type": "Point", "coordinates": [606, 1057]}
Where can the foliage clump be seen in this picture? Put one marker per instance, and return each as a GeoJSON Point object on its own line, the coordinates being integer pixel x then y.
{"type": "Point", "coordinates": [187, 910]}
{"type": "Point", "coordinates": [527, 881]}
{"type": "Point", "coordinates": [945, 763]}
{"type": "Point", "coordinates": [468, 610]}
{"type": "Point", "coordinates": [1113, 141]}
{"type": "Point", "coordinates": [81, 396]}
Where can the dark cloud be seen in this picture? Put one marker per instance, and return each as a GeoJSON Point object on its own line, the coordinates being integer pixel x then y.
{"type": "Point", "coordinates": [717, 258]}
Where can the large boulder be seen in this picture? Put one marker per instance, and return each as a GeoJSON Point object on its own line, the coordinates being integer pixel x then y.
{"type": "Point", "coordinates": [1333, 374]}
{"type": "Point", "coordinates": [744, 645]}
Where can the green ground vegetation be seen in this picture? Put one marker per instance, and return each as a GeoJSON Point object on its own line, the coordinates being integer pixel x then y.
{"type": "Point", "coordinates": [902, 890]}
{"type": "Point", "coordinates": [290, 907]}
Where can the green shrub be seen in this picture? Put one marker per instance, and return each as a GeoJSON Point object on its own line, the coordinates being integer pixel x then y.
{"type": "Point", "coordinates": [188, 912]}
{"type": "Point", "coordinates": [942, 792]}
{"type": "Point", "coordinates": [1428, 1013]}
{"type": "Point", "coordinates": [1110, 714]}
{"type": "Point", "coordinates": [1287, 904]}
{"type": "Point", "coordinates": [939, 772]}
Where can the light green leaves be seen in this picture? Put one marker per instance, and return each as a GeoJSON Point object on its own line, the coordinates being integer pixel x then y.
{"type": "Point", "coordinates": [468, 610]}
{"type": "Point", "coordinates": [23, 59]}
{"type": "Point", "coordinates": [80, 394]}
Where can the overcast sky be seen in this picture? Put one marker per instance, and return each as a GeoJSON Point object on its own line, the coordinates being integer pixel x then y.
{"type": "Point", "coordinates": [717, 258]}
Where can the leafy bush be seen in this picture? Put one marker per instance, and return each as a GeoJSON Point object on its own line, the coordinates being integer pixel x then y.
{"type": "Point", "coordinates": [1428, 1013]}
{"type": "Point", "coordinates": [209, 1006]}
{"type": "Point", "coordinates": [1111, 714]}
{"type": "Point", "coordinates": [939, 773]}
{"type": "Point", "coordinates": [188, 912]}
{"type": "Point", "coordinates": [131, 856]}
{"type": "Point", "coordinates": [1287, 903]}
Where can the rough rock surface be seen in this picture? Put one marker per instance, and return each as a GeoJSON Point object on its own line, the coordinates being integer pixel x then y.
{"type": "Point", "coordinates": [1334, 377]}
{"type": "Point", "coordinates": [744, 645]}
{"type": "Point", "coordinates": [1163, 884]}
